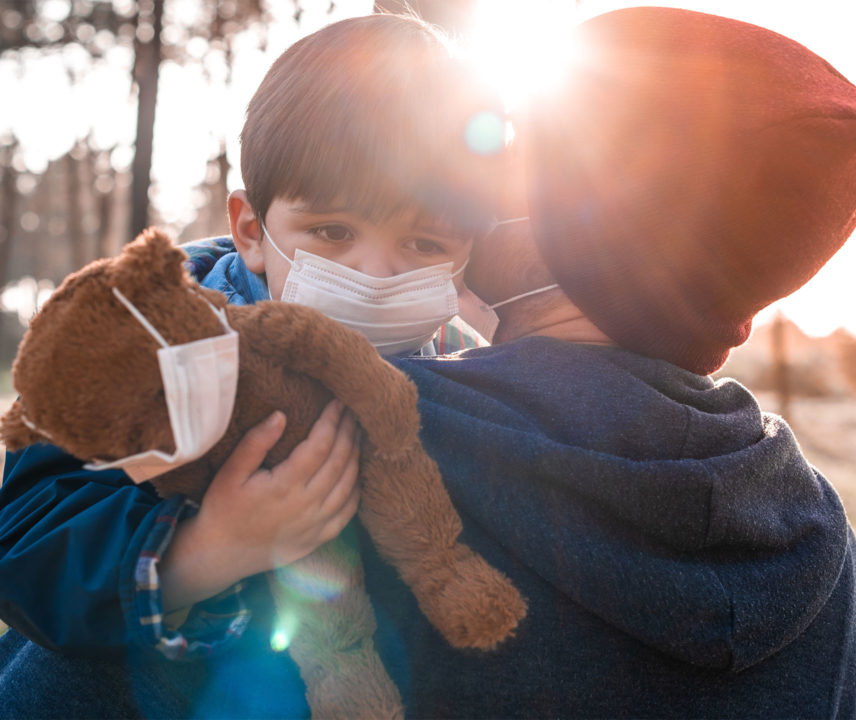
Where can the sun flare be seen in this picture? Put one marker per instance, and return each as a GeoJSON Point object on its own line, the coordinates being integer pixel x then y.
{"type": "Point", "coordinates": [522, 50]}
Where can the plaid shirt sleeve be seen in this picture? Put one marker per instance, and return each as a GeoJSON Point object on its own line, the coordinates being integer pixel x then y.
{"type": "Point", "coordinates": [208, 625]}
{"type": "Point", "coordinates": [457, 335]}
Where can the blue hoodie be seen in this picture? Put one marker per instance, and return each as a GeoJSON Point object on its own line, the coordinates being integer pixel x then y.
{"type": "Point", "coordinates": [679, 555]}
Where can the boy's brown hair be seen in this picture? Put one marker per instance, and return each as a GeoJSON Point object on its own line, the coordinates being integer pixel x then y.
{"type": "Point", "coordinates": [373, 114]}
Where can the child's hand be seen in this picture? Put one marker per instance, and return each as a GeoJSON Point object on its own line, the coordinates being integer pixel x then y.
{"type": "Point", "coordinates": [282, 514]}
{"type": "Point", "coordinates": [252, 519]}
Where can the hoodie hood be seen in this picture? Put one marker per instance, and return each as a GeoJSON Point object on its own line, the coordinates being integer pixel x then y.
{"type": "Point", "coordinates": [228, 275]}
{"type": "Point", "coordinates": [664, 502]}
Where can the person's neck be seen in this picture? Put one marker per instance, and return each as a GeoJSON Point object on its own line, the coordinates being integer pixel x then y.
{"type": "Point", "coordinates": [563, 322]}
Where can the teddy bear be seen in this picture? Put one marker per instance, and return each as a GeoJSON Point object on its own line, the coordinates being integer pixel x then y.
{"type": "Point", "coordinates": [88, 381]}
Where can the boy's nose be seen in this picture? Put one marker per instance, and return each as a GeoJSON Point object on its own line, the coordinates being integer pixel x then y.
{"type": "Point", "coordinates": [376, 262]}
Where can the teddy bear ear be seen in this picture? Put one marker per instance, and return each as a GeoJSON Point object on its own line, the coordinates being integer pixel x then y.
{"type": "Point", "coordinates": [153, 256]}
{"type": "Point", "coordinates": [14, 432]}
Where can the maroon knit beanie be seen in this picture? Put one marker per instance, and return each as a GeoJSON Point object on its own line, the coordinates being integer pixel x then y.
{"type": "Point", "coordinates": [691, 170]}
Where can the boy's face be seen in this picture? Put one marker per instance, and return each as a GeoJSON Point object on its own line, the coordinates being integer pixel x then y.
{"type": "Point", "coordinates": [381, 249]}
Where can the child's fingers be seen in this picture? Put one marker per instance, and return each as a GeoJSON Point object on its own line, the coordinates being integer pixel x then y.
{"type": "Point", "coordinates": [311, 454]}
{"type": "Point", "coordinates": [250, 452]}
{"type": "Point", "coordinates": [329, 473]}
{"type": "Point", "coordinates": [341, 483]}
{"type": "Point", "coordinates": [337, 522]}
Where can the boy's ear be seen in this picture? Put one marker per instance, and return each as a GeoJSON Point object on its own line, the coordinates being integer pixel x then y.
{"type": "Point", "coordinates": [246, 231]}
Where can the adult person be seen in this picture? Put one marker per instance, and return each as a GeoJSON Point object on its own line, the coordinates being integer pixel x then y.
{"type": "Point", "coordinates": [680, 556]}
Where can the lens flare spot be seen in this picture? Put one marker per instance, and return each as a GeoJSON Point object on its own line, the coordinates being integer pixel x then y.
{"type": "Point", "coordinates": [485, 133]}
{"type": "Point", "coordinates": [279, 641]}
{"type": "Point", "coordinates": [324, 575]}
{"type": "Point", "coordinates": [285, 630]}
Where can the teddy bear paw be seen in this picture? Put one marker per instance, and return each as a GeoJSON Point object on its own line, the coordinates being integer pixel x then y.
{"type": "Point", "coordinates": [476, 607]}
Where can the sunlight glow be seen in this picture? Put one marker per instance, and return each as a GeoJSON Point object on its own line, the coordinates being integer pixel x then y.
{"type": "Point", "coordinates": [25, 297]}
{"type": "Point", "coordinates": [520, 49]}
{"type": "Point", "coordinates": [523, 47]}
{"type": "Point", "coordinates": [485, 133]}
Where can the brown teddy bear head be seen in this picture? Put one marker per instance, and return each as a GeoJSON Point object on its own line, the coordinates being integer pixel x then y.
{"type": "Point", "coordinates": [87, 372]}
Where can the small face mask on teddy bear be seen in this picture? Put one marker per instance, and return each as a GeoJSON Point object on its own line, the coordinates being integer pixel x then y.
{"type": "Point", "coordinates": [200, 381]}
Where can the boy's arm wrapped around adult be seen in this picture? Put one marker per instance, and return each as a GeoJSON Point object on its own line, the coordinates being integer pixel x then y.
{"type": "Point", "coordinates": [76, 558]}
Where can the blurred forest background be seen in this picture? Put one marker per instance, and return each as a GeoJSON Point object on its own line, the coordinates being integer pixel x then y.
{"type": "Point", "coordinates": [84, 172]}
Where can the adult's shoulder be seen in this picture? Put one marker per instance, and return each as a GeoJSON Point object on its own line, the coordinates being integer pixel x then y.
{"type": "Point", "coordinates": [602, 396]}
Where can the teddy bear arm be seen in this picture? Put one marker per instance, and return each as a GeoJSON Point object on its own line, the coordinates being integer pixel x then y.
{"type": "Point", "coordinates": [303, 340]}
{"type": "Point", "coordinates": [414, 525]}
{"type": "Point", "coordinates": [327, 619]}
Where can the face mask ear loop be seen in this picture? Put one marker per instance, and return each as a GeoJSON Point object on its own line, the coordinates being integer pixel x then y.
{"type": "Point", "coordinates": [219, 312]}
{"type": "Point", "coordinates": [275, 247]}
{"type": "Point", "coordinates": [510, 221]}
{"type": "Point", "coordinates": [35, 428]}
{"type": "Point", "coordinates": [140, 317]}
{"type": "Point", "coordinates": [461, 269]}
{"type": "Point", "coordinates": [523, 295]}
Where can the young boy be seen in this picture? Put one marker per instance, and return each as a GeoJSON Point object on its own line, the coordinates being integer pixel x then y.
{"type": "Point", "coordinates": [363, 208]}
{"type": "Point", "coordinates": [375, 218]}
{"type": "Point", "coordinates": [354, 151]}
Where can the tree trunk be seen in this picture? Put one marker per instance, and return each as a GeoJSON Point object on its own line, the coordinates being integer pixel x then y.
{"type": "Point", "coordinates": [74, 215]}
{"type": "Point", "coordinates": [8, 212]}
{"type": "Point", "coordinates": [146, 67]}
{"type": "Point", "coordinates": [105, 202]}
{"type": "Point", "coordinates": [8, 222]}
{"type": "Point", "coordinates": [218, 219]}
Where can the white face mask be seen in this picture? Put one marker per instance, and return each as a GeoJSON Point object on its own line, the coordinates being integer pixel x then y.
{"type": "Point", "coordinates": [397, 314]}
{"type": "Point", "coordinates": [200, 380]}
{"type": "Point", "coordinates": [478, 314]}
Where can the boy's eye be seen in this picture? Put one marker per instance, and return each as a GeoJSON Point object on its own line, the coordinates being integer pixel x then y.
{"type": "Point", "coordinates": [333, 232]}
{"type": "Point", "coordinates": [427, 246]}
